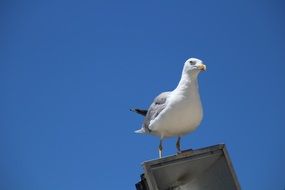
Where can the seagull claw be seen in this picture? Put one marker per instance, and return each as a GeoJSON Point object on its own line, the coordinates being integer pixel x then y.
{"type": "Point", "coordinates": [178, 145]}
{"type": "Point", "coordinates": [160, 149]}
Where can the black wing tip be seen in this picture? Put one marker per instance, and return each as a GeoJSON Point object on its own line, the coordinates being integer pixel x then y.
{"type": "Point", "coordinates": [139, 111]}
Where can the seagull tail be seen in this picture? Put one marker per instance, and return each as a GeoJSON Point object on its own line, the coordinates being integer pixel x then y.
{"type": "Point", "coordinates": [139, 111]}
{"type": "Point", "coordinates": [142, 130]}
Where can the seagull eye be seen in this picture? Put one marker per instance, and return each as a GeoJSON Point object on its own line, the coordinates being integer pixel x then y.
{"type": "Point", "coordinates": [192, 62]}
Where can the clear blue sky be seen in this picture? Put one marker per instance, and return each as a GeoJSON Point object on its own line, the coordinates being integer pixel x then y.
{"type": "Point", "coordinates": [70, 71]}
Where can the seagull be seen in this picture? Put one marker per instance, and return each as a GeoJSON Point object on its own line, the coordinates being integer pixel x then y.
{"type": "Point", "coordinates": [178, 112]}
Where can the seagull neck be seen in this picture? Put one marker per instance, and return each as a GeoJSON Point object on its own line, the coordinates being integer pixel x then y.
{"type": "Point", "coordinates": [187, 82]}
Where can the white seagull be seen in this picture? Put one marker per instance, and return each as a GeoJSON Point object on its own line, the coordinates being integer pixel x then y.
{"type": "Point", "coordinates": [178, 112]}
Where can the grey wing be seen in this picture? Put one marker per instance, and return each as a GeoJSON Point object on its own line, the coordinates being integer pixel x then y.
{"type": "Point", "coordinates": [155, 108]}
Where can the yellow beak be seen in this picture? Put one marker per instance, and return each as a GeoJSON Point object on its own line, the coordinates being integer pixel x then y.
{"type": "Point", "coordinates": [202, 67]}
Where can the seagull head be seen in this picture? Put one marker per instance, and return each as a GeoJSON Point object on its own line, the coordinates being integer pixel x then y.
{"type": "Point", "coordinates": [194, 66]}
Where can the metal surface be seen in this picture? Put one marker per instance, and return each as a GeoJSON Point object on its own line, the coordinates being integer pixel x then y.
{"type": "Point", "coordinates": [142, 185]}
{"type": "Point", "coordinates": [201, 169]}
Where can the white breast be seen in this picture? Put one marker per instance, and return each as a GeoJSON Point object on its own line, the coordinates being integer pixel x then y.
{"type": "Point", "coordinates": [182, 114]}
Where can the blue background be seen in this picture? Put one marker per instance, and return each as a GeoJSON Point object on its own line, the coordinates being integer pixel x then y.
{"type": "Point", "coordinates": [70, 71]}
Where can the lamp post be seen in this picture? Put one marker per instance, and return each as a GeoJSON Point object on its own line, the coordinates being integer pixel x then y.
{"type": "Point", "coordinates": [206, 168]}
